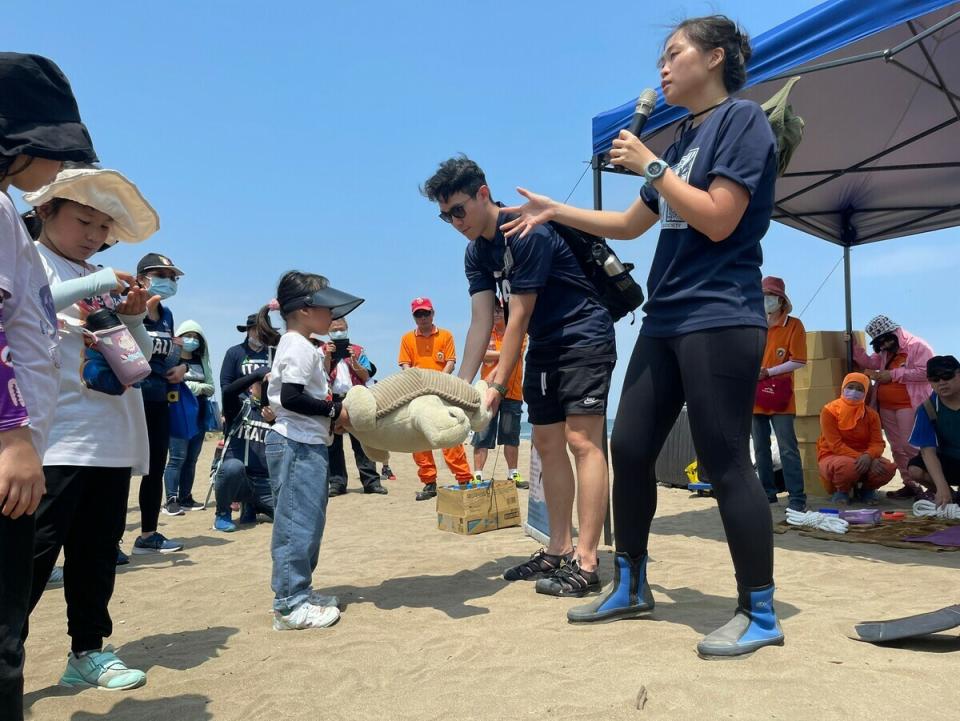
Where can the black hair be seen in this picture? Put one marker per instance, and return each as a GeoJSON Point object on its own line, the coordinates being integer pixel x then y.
{"type": "Point", "coordinates": [719, 31]}
{"type": "Point", "coordinates": [455, 175]}
{"type": "Point", "coordinates": [5, 162]}
{"type": "Point", "coordinates": [32, 218]}
{"type": "Point", "coordinates": [267, 334]}
{"type": "Point", "coordinates": [295, 284]}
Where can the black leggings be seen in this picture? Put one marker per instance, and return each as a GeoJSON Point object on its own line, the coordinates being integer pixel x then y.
{"type": "Point", "coordinates": [151, 485]}
{"type": "Point", "coordinates": [715, 372]}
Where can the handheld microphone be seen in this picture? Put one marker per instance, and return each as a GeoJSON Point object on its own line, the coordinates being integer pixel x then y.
{"type": "Point", "coordinates": [645, 104]}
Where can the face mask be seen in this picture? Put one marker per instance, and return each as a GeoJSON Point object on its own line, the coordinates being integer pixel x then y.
{"type": "Point", "coordinates": [852, 395]}
{"type": "Point", "coordinates": [191, 344]}
{"type": "Point", "coordinates": [164, 287]}
{"type": "Point", "coordinates": [339, 335]}
{"type": "Point", "coordinates": [771, 304]}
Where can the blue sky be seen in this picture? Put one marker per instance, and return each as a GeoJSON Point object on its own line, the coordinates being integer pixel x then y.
{"type": "Point", "coordinates": [295, 135]}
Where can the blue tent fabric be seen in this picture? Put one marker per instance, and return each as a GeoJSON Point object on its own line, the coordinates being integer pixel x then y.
{"type": "Point", "coordinates": [880, 95]}
{"type": "Point", "coordinates": [827, 27]}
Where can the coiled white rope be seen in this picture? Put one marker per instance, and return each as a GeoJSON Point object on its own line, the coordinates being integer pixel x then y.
{"type": "Point", "coordinates": [815, 519]}
{"type": "Point", "coordinates": [929, 509]}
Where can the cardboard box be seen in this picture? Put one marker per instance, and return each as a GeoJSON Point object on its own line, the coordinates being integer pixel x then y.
{"type": "Point", "coordinates": [830, 343]}
{"type": "Point", "coordinates": [808, 454]}
{"type": "Point", "coordinates": [812, 485]}
{"type": "Point", "coordinates": [807, 428]}
{"type": "Point", "coordinates": [478, 508]}
{"type": "Point", "coordinates": [810, 401]}
{"type": "Point", "coordinates": [820, 372]}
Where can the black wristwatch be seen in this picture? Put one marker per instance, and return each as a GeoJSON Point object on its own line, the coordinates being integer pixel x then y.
{"type": "Point", "coordinates": [499, 388]}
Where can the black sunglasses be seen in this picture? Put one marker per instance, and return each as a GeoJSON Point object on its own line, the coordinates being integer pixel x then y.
{"type": "Point", "coordinates": [942, 376]}
{"type": "Point", "coordinates": [456, 211]}
{"type": "Point", "coordinates": [422, 313]}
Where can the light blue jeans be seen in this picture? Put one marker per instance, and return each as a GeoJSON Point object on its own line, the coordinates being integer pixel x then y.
{"type": "Point", "coordinates": [789, 455]}
{"type": "Point", "coordinates": [182, 466]}
{"type": "Point", "coordinates": [298, 474]}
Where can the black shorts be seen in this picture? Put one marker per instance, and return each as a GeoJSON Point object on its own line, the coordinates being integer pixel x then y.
{"type": "Point", "coordinates": [950, 465]}
{"type": "Point", "coordinates": [554, 394]}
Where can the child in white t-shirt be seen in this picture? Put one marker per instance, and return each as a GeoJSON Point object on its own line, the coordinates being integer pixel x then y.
{"type": "Point", "coordinates": [97, 439]}
{"type": "Point", "coordinates": [40, 127]}
{"type": "Point", "coordinates": [296, 447]}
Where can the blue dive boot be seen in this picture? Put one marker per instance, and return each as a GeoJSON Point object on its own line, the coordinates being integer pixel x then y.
{"type": "Point", "coordinates": [628, 596]}
{"type": "Point", "coordinates": [753, 626]}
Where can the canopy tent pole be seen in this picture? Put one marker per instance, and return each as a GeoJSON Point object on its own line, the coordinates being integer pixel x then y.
{"type": "Point", "coordinates": [597, 167]}
{"type": "Point", "coordinates": [849, 305]}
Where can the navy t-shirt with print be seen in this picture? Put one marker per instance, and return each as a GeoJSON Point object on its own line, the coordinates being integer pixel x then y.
{"type": "Point", "coordinates": [569, 323]}
{"type": "Point", "coordinates": [695, 283]}
{"type": "Point", "coordinates": [166, 354]}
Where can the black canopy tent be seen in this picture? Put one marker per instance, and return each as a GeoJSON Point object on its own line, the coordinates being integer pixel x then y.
{"type": "Point", "coordinates": [880, 156]}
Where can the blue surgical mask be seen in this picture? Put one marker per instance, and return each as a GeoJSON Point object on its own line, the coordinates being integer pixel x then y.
{"type": "Point", "coordinates": [771, 303]}
{"type": "Point", "coordinates": [191, 344]}
{"type": "Point", "coordinates": [164, 287]}
{"type": "Point", "coordinates": [339, 335]}
{"type": "Point", "coordinates": [854, 396]}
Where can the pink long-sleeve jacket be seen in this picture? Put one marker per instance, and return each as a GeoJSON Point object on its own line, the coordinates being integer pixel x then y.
{"type": "Point", "coordinates": [913, 374]}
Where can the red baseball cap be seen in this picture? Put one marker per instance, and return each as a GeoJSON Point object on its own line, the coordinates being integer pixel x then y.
{"type": "Point", "coordinates": [420, 304]}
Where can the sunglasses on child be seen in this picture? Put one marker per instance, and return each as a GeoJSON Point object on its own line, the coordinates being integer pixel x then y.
{"type": "Point", "coordinates": [942, 376]}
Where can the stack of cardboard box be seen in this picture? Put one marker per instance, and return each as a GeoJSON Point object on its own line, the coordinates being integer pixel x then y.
{"type": "Point", "coordinates": [815, 385]}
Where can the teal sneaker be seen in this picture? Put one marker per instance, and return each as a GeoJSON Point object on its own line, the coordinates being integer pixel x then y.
{"type": "Point", "coordinates": [101, 670]}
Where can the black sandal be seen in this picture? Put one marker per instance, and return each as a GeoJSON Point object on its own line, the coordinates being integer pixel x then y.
{"type": "Point", "coordinates": [570, 580]}
{"type": "Point", "coordinates": [540, 565]}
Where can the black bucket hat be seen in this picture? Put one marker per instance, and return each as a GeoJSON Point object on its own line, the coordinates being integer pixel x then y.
{"type": "Point", "coordinates": [38, 113]}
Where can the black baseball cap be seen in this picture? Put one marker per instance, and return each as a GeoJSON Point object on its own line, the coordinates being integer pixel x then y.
{"type": "Point", "coordinates": [251, 321]}
{"type": "Point", "coordinates": [38, 112]}
{"type": "Point", "coordinates": [155, 261]}
{"type": "Point", "coordinates": [942, 364]}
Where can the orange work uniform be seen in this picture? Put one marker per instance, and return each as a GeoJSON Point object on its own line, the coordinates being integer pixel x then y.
{"type": "Point", "coordinates": [785, 342]}
{"type": "Point", "coordinates": [433, 351]}
{"type": "Point", "coordinates": [893, 395]}
{"type": "Point", "coordinates": [838, 450]}
{"type": "Point", "coordinates": [515, 382]}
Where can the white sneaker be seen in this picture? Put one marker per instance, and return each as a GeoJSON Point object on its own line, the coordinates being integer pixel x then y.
{"type": "Point", "coordinates": [306, 615]}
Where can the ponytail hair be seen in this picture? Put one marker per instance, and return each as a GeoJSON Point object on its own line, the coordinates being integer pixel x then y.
{"type": "Point", "coordinates": [267, 334]}
{"type": "Point", "coordinates": [719, 31]}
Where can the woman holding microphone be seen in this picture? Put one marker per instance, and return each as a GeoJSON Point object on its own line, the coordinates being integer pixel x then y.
{"type": "Point", "coordinates": [704, 330]}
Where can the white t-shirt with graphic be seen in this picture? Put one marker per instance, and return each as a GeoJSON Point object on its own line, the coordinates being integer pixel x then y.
{"type": "Point", "coordinates": [90, 428]}
{"type": "Point", "coordinates": [30, 323]}
{"type": "Point", "coordinates": [298, 361]}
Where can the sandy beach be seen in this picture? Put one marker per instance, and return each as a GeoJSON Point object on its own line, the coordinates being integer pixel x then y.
{"type": "Point", "coordinates": [431, 631]}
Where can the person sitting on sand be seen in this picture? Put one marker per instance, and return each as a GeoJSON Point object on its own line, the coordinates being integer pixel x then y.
{"type": "Point", "coordinates": [937, 434]}
{"type": "Point", "coordinates": [850, 448]}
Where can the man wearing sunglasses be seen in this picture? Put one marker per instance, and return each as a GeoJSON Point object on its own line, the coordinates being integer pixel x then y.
{"type": "Point", "coordinates": [898, 368]}
{"type": "Point", "coordinates": [568, 365]}
{"type": "Point", "coordinates": [936, 432]}
{"type": "Point", "coordinates": [432, 348]}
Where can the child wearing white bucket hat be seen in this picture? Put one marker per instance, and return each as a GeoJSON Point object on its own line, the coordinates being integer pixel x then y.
{"type": "Point", "coordinates": [97, 440]}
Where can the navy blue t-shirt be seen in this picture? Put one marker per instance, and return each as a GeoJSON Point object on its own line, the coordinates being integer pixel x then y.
{"type": "Point", "coordinates": [246, 442]}
{"type": "Point", "coordinates": [240, 360]}
{"type": "Point", "coordinates": [694, 283]}
{"type": "Point", "coordinates": [166, 354]}
{"type": "Point", "coordinates": [569, 322]}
